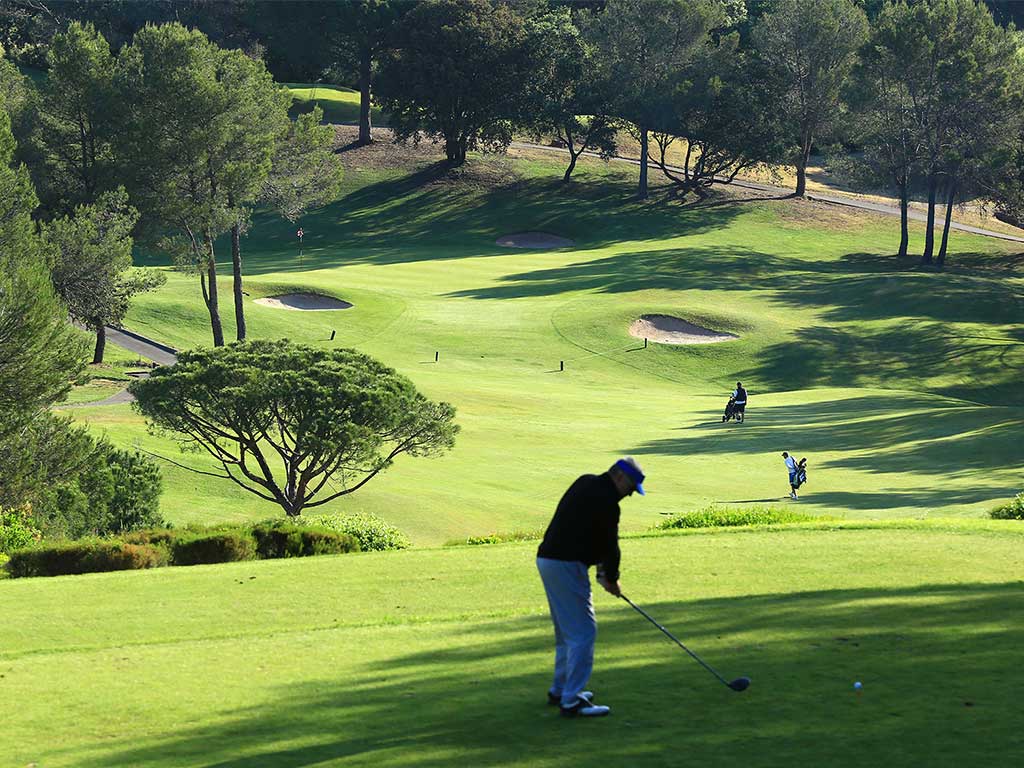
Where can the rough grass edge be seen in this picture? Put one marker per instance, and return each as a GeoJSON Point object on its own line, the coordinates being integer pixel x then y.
{"type": "Point", "coordinates": [730, 517]}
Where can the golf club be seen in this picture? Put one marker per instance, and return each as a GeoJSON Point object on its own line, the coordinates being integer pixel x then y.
{"type": "Point", "coordinates": [739, 684]}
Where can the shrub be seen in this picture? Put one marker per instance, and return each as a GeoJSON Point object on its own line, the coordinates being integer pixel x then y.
{"type": "Point", "coordinates": [1012, 511]}
{"type": "Point", "coordinates": [110, 492]}
{"type": "Point", "coordinates": [372, 533]}
{"type": "Point", "coordinates": [158, 536]}
{"type": "Point", "coordinates": [278, 538]}
{"type": "Point", "coordinates": [716, 517]}
{"type": "Point", "coordinates": [85, 556]}
{"type": "Point", "coordinates": [223, 546]}
{"type": "Point", "coordinates": [322, 541]}
{"type": "Point", "coordinates": [16, 529]}
{"type": "Point", "coordinates": [498, 538]}
{"type": "Point", "coordinates": [135, 502]}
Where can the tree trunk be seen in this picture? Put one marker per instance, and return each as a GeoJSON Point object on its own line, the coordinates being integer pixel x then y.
{"type": "Point", "coordinates": [572, 164]}
{"type": "Point", "coordinates": [101, 342]}
{"type": "Point", "coordinates": [236, 273]}
{"type": "Point", "coordinates": [212, 302]}
{"type": "Point", "coordinates": [950, 200]}
{"type": "Point", "coordinates": [929, 235]}
{"type": "Point", "coordinates": [642, 189]}
{"type": "Point", "coordinates": [904, 228]}
{"type": "Point", "coordinates": [365, 75]}
{"type": "Point", "coordinates": [455, 149]}
{"type": "Point", "coordinates": [801, 166]}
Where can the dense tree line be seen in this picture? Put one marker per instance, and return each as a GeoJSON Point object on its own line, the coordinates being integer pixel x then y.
{"type": "Point", "coordinates": [928, 92]}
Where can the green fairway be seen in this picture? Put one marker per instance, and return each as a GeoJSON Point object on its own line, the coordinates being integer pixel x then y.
{"type": "Point", "coordinates": [340, 104]}
{"type": "Point", "coordinates": [900, 385]}
{"type": "Point", "coordinates": [441, 657]}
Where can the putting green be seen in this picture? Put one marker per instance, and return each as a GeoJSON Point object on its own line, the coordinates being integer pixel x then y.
{"type": "Point", "coordinates": [441, 657]}
{"type": "Point", "coordinates": [899, 385]}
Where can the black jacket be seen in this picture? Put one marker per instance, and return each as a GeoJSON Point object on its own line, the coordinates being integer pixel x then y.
{"type": "Point", "coordinates": [585, 527]}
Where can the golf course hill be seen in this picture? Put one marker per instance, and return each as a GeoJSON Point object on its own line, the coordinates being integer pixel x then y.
{"type": "Point", "coordinates": [899, 384]}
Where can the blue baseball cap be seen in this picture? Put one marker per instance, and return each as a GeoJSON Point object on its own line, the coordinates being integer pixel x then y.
{"type": "Point", "coordinates": [632, 470]}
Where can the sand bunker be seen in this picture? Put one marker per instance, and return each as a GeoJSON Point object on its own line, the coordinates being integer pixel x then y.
{"type": "Point", "coordinates": [534, 240]}
{"type": "Point", "coordinates": [666, 329]}
{"type": "Point", "coordinates": [308, 302]}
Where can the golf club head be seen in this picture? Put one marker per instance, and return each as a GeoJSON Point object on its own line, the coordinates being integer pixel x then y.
{"type": "Point", "coordinates": [740, 684]}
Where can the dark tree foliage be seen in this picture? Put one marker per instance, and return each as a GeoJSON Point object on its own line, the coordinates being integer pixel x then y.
{"type": "Point", "coordinates": [458, 70]}
{"type": "Point", "coordinates": [643, 46]}
{"type": "Point", "coordinates": [200, 126]}
{"type": "Point", "coordinates": [363, 33]}
{"type": "Point", "coordinates": [724, 116]}
{"type": "Point", "coordinates": [962, 74]}
{"type": "Point", "coordinates": [294, 425]}
{"type": "Point", "coordinates": [810, 47]}
{"type": "Point", "coordinates": [90, 259]}
{"type": "Point", "coordinates": [77, 120]}
{"type": "Point", "coordinates": [568, 96]}
{"type": "Point", "coordinates": [40, 354]}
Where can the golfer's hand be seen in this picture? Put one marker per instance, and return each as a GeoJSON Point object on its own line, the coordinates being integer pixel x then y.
{"type": "Point", "coordinates": [611, 587]}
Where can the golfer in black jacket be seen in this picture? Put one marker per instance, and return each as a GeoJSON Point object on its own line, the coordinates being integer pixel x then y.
{"type": "Point", "coordinates": [583, 532]}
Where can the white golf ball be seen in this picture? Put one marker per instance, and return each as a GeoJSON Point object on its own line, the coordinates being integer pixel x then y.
{"type": "Point", "coordinates": [857, 685]}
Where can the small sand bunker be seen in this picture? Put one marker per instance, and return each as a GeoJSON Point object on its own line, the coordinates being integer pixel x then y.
{"type": "Point", "coordinates": [666, 329]}
{"type": "Point", "coordinates": [307, 302]}
{"type": "Point", "coordinates": [534, 240]}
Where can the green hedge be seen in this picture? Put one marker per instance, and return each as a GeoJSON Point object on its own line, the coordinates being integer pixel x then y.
{"type": "Point", "coordinates": [213, 547]}
{"type": "Point", "coordinates": [193, 545]}
{"type": "Point", "coordinates": [84, 556]}
{"type": "Point", "coordinates": [727, 517]}
{"type": "Point", "coordinates": [1012, 511]}
{"type": "Point", "coordinates": [277, 538]}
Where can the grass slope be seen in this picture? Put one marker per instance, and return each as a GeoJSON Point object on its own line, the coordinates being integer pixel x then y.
{"type": "Point", "coordinates": [899, 384]}
{"type": "Point", "coordinates": [441, 657]}
{"type": "Point", "coordinates": [340, 104]}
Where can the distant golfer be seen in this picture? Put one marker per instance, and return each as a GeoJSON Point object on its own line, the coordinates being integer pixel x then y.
{"type": "Point", "coordinates": [794, 470]}
{"type": "Point", "coordinates": [739, 400]}
{"type": "Point", "coordinates": [299, 234]}
{"type": "Point", "coordinates": [583, 532]}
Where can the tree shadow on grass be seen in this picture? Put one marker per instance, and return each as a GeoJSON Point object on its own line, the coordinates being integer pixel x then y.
{"type": "Point", "coordinates": [936, 662]}
{"type": "Point", "coordinates": [878, 435]}
{"type": "Point", "coordinates": [427, 215]}
{"type": "Point", "coordinates": [975, 367]}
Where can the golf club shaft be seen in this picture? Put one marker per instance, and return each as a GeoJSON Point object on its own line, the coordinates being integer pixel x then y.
{"type": "Point", "coordinates": [697, 658]}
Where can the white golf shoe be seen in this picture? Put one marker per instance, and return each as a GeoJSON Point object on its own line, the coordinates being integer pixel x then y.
{"type": "Point", "coordinates": [584, 708]}
{"type": "Point", "coordinates": [556, 700]}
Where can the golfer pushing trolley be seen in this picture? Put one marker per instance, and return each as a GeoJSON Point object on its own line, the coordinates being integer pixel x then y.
{"type": "Point", "coordinates": [585, 532]}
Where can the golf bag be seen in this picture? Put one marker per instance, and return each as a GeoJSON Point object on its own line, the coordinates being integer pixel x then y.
{"type": "Point", "coordinates": [801, 473]}
{"type": "Point", "coordinates": [733, 410]}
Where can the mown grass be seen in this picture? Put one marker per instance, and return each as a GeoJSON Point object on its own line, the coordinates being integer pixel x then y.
{"type": "Point", "coordinates": [898, 384]}
{"type": "Point", "coordinates": [441, 657]}
{"type": "Point", "coordinates": [339, 104]}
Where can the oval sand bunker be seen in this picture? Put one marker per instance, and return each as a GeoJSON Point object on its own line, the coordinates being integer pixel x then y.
{"type": "Point", "coordinates": [307, 302]}
{"type": "Point", "coordinates": [535, 240]}
{"type": "Point", "coordinates": [666, 329]}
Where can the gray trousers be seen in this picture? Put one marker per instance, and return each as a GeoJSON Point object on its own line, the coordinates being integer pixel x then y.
{"type": "Point", "coordinates": [567, 585]}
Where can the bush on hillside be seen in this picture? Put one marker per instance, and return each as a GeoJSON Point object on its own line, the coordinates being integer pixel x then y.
{"type": "Point", "coordinates": [499, 538]}
{"type": "Point", "coordinates": [16, 529]}
{"type": "Point", "coordinates": [727, 517]}
{"type": "Point", "coordinates": [111, 491]}
{"type": "Point", "coordinates": [372, 533]}
{"type": "Point", "coordinates": [278, 538]}
{"type": "Point", "coordinates": [1012, 511]}
{"type": "Point", "coordinates": [222, 546]}
{"type": "Point", "coordinates": [85, 556]}
{"type": "Point", "coordinates": [135, 502]}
